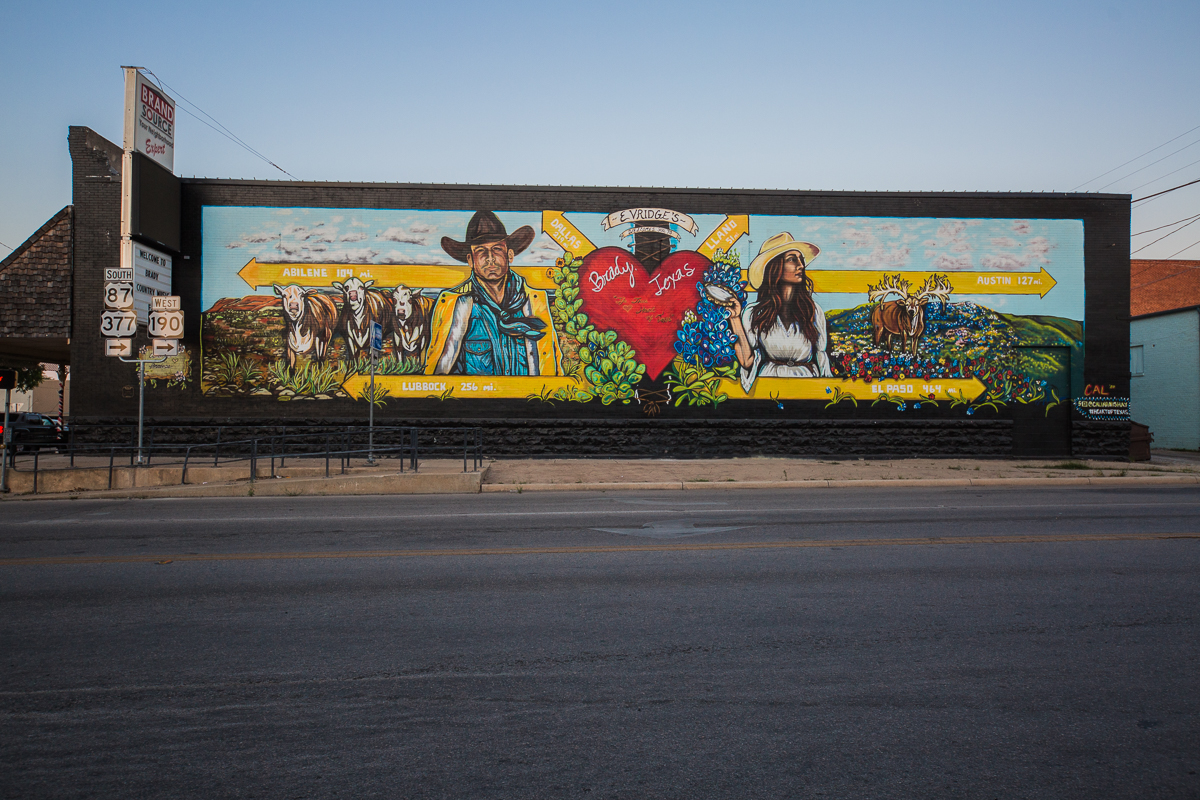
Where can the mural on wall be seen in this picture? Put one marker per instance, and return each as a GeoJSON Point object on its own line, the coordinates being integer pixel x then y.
{"type": "Point", "coordinates": [647, 306]}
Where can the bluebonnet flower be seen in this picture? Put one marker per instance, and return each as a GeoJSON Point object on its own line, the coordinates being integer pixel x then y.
{"type": "Point", "coordinates": [704, 334]}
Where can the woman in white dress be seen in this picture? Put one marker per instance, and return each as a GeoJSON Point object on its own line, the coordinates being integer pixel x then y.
{"type": "Point", "coordinates": [781, 334]}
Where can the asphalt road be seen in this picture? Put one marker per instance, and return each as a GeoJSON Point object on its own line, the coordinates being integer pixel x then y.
{"type": "Point", "coordinates": [823, 643]}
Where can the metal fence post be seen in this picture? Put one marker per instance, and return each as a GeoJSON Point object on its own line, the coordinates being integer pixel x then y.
{"type": "Point", "coordinates": [253, 460]}
{"type": "Point", "coordinates": [187, 454]}
{"type": "Point", "coordinates": [217, 452]}
{"type": "Point", "coordinates": [36, 452]}
{"type": "Point", "coordinates": [112, 454]}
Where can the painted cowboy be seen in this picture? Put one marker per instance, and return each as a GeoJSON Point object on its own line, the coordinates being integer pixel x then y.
{"type": "Point", "coordinates": [491, 323]}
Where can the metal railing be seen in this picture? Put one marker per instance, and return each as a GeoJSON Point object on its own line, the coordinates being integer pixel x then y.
{"type": "Point", "coordinates": [341, 444]}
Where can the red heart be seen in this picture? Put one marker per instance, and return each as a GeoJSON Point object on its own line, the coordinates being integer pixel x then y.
{"type": "Point", "coordinates": [645, 310]}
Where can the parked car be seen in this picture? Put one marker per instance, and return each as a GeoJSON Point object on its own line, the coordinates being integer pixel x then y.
{"type": "Point", "coordinates": [31, 430]}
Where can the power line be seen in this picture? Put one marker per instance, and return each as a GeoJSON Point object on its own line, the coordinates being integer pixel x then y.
{"type": "Point", "coordinates": [1148, 166]}
{"type": "Point", "coordinates": [228, 134]}
{"type": "Point", "coordinates": [1130, 161]}
{"type": "Point", "coordinates": [1160, 177]}
{"type": "Point", "coordinates": [1160, 227]}
{"type": "Point", "coordinates": [1165, 191]}
{"type": "Point", "coordinates": [1172, 233]}
{"type": "Point", "coordinates": [2, 244]}
{"type": "Point", "coordinates": [1189, 247]}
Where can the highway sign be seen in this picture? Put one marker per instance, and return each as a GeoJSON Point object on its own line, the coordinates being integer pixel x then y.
{"type": "Point", "coordinates": [122, 274]}
{"type": "Point", "coordinates": [165, 324]}
{"type": "Point", "coordinates": [376, 337]}
{"type": "Point", "coordinates": [118, 347]}
{"type": "Point", "coordinates": [164, 347]}
{"type": "Point", "coordinates": [168, 302]}
{"type": "Point", "coordinates": [118, 296]}
{"type": "Point", "coordinates": [118, 323]}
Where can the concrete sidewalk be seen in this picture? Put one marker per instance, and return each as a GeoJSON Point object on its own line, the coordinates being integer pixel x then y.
{"type": "Point", "coordinates": [707, 474]}
{"type": "Point", "coordinates": [527, 475]}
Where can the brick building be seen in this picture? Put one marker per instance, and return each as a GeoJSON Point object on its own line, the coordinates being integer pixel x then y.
{"type": "Point", "coordinates": [998, 357]}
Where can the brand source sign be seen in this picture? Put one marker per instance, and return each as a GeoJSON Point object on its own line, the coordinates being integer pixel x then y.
{"type": "Point", "coordinates": [151, 278]}
{"type": "Point", "coordinates": [150, 121]}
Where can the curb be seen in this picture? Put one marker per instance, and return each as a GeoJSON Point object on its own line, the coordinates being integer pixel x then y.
{"type": "Point", "coordinates": [930, 483]}
{"type": "Point", "coordinates": [395, 483]}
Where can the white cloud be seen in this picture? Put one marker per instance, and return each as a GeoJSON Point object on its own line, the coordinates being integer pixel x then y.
{"type": "Point", "coordinates": [889, 228]}
{"type": "Point", "coordinates": [943, 261]}
{"type": "Point", "coordinates": [1005, 241]}
{"type": "Point", "coordinates": [858, 238]}
{"type": "Point", "coordinates": [961, 247]}
{"type": "Point", "coordinates": [1040, 247]}
{"type": "Point", "coordinates": [421, 227]}
{"type": "Point", "coordinates": [544, 250]}
{"type": "Point", "coordinates": [260, 238]}
{"type": "Point", "coordinates": [1004, 261]}
{"type": "Point", "coordinates": [234, 245]}
{"type": "Point", "coordinates": [398, 234]}
{"type": "Point", "coordinates": [396, 257]}
{"type": "Point", "coordinates": [951, 231]}
{"type": "Point", "coordinates": [363, 255]}
{"type": "Point", "coordinates": [1020, 227]}
{"type": "Point", "coordinates": [356, 236]}
{"type": "Point", "coordinates": [894, 257]}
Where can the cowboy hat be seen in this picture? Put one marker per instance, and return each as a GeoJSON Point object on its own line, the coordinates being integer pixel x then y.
{"type": "Point", "coordinates": [777, 245]}
{"type": "Point", "coordinates": [485, 228]}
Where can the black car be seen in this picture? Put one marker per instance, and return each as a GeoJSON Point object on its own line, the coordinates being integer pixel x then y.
{"type": "Point", "coordinates": [32, 430]}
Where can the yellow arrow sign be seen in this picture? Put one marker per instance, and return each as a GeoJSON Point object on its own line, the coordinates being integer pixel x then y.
{"type": "Point", "coordinates": [418, 276]}
{"type": "Point", "coordinates": [940, 389]}
{"type": "Point", "coordinates": [728, 232]}
{"type": "Point", "coordinates": [856, 281]}
{"type": "Point", "coordinates": [567, 235]}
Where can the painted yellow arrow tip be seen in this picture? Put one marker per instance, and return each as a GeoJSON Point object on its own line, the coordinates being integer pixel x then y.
{"type": "Point", "coordinates": [1048, 281]}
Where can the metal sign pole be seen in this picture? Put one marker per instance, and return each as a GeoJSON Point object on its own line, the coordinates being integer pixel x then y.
{"type": "Point", "coordinates": [141, 362]}
{"type": "Point", "coordinates": [371, 417]}
{"type": "Point", "coordinates": [4, 443]}
{"type": "Point", "coordinates": [141, 406]}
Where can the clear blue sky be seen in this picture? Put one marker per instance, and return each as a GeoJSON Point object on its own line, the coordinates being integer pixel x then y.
{"type": "Point", "coordinates": [870, 96]}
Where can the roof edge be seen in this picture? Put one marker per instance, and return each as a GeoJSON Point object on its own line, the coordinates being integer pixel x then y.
{"type": "Point", "coordinates": [475, 187]}
{"type": "Point", "coordinates": [35, 236]}
{"type": "Point", "coordinates": [1164, 312]}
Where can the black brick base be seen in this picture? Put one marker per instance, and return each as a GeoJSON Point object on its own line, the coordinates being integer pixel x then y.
{"type": "Point", "coordinates": [677, 438]}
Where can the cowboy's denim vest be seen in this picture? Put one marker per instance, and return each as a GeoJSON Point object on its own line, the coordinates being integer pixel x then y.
{"type": "Point", "coordinates": [479, 354]}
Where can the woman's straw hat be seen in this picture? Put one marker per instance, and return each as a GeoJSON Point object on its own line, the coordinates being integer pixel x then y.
{"type": "Point", "coordinates": [779, 244]}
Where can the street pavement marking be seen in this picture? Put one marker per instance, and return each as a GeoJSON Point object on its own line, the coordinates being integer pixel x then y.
{"type": "Point", "coordinates": [583, 549]}
{"type": "Point", "coordinates": [577, 511]}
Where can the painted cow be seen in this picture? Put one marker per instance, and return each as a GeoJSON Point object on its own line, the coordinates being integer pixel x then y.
{"type": "Point", "coordinates": [361, 305]}
{"type": "Point", "coordinates": [410, 323]}
{"type": "Point", "coordinates": [310, 318]}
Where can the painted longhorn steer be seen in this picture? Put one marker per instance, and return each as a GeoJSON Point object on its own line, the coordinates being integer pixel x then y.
{"type": "Point", "coordinates": [361, 305]}
{"type": "Point", "coordinates": [410, 323]}
{"type": "Point", "coordinates": [310, 318]}
{"type": "Point", "coordinates": [904, 317]}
